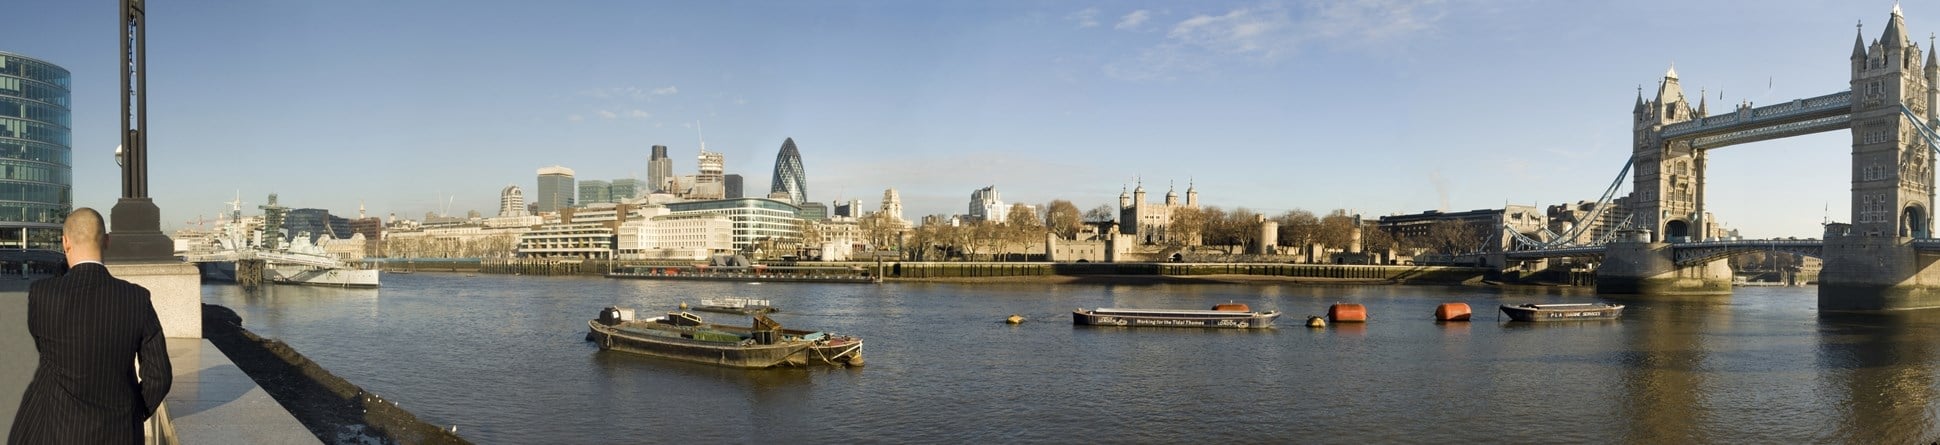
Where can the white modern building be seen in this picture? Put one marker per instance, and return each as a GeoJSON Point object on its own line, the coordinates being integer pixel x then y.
{"type": "Point", "coordinates": [687, 237]}
{"type": "Point", "coordinates": [754, 219]}
{"type": "Point", "coordinates": [574, 240]}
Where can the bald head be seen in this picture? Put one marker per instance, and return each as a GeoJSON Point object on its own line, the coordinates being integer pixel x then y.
{"type": "Point", "coordinates": [83, 236]}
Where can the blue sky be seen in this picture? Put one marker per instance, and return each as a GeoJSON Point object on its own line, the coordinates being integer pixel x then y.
{"type": "Point", "coordinates": [1384, 106]}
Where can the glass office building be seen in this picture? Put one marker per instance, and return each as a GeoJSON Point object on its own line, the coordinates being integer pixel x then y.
{"type": "Point", "coordinates": [754, 219]}
{"type": "Point", "coordinates": [789, 178]}
{"type": "Point", "coordinates": [35, 146]}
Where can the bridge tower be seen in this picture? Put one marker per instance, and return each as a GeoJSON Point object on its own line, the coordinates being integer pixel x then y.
{"type": "Point", "coordinates": [1874, 266]}
{"type": "Point", "coordinates": [1667, 201]}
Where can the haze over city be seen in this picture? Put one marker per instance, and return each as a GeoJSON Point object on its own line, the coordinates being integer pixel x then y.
{"type": "Point", "coordinates": [1380, 106]}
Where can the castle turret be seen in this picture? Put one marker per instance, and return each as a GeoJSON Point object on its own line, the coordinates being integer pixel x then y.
{"type": "Point", "coordinates": [1192, 195]}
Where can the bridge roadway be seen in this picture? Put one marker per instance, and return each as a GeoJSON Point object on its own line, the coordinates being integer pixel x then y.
{"type": "Point", "coordinates": [1700, 252]}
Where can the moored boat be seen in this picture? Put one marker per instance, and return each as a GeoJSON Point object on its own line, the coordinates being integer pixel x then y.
{"type": "Point", "coordinates": [743, 306]}
{"type": "Point", "coordinates": [684, 336]}
{"type": "Point", "coordinates": [1223, 316]}
{"type": "Point", "coordinates": [1563, 312]}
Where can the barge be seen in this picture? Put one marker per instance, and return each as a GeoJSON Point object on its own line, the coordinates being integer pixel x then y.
{"type": "Point", "coordinates": [740, 306]}
{"type": "Point", "coordinates": [684, 336]}
{"type": "Point", "coordinates": [1563, 312]}
{"type": "Point", "coordinates": [1224, 316]}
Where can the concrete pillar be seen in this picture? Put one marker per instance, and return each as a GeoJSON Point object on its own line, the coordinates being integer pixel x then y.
{"type": "Point", "coordinates": [1873, 273]}
{"type": "Point", "coordinates": [1647, 268]}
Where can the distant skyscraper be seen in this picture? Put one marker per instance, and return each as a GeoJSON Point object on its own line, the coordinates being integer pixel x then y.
{"type": "Point", "coordinates": [594, 191]}
{"type": "Point", "coordinates": [789, 177]}
{"type": "Point", "coordinates": [733, 186]}
{"type": "Point", "coordinates": [625, 189]}
{"type": "Point", "coordinates": [985, 205]}
{"type": "Point", "coordinates": [892, 205]}
{"type": "Point", "coordinates": [511, 201]}
{"type": "Point", "coordinates": [555, 189]}
{"type": "Point", "coordinates": [34, 146]}
{"type": "Point", "coordinates": [709, 184]}
{"type": "Point", "coordinates": [660, 169]}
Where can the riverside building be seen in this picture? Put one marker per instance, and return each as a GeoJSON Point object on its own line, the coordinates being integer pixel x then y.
{"type": "Point", "coordinates": [754, 219]}
{"type": "Point", "coordinates": [35, 147]}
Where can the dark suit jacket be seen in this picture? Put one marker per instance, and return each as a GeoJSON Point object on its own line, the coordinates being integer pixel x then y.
{"type": "Point", "coordinates": [90, 328]}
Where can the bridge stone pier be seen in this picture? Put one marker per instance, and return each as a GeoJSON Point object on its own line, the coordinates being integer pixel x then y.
{"type": "Point", "coordinates": [1872, 273]}
{"type": "Point", "coordinates": [1633, 264]}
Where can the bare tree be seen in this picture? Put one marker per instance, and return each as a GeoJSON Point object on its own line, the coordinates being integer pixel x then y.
{"type": "Point", "coordinates": [1335, 229]}
{"type": "Point", "coordinates": [1062, 218]}
{"type": "Point", "coordinates": [1298, 227]}
{"type": "Point", "coordinates": [1101, 213]}
{"type": "Point", "coordinates": [1186, 227]}
{"type": "Point", "coordinates": [1454, 237]}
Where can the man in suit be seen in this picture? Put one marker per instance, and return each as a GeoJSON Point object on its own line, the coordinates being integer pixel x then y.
{"type": "Point", "coordinates": [90, 329]}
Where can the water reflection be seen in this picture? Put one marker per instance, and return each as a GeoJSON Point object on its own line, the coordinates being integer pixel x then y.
{"type": "Point", "coordinates": [1882, 374]}
{"type": "Point", "coordinates": [1665, 381]}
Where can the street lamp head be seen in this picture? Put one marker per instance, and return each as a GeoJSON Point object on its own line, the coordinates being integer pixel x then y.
{"type": "Point", "coordinates": [118, 156]}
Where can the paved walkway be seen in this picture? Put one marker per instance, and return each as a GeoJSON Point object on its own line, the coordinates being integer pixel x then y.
{"type": "Point", "coordinates": [211, 401]}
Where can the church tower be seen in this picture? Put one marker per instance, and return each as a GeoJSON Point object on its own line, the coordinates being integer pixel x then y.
{"type": "Point", "coordinates": [1892, 166]}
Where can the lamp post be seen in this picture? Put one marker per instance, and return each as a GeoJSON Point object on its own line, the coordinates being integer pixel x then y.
{"type": "Point", "coordinates": [135, 222]}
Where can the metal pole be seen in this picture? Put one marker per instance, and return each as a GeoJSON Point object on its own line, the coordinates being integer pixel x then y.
{"type": "Point", "coordinates": [135, 221]}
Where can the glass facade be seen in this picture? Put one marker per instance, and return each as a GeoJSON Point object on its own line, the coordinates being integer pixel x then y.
{"type": "Point", "coordinates": [753, 218]}
{"type": "Point", "coordinates": [593, 191]}
{"type": "Point", "coordinates": [35, 147]}
{"type": "Point", "coordinates": [789, 177]}
{"type": "Point", "coordinates": [555, 189]}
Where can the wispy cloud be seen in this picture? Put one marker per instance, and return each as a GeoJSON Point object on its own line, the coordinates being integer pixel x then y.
{"type": "Point", "coordinates": [1133, 19]}
{"type": "Point", "coordinates": [1086, 18]}
{"type": "Point", "coordinates": [575, 117]}
{"type": "Point", "coordinates": [1271, 31]}
{"type": "Point", "coordinates": [608, 114]}
{"type": "Point", "coordinates": [638, 114]}
{"type": "Point", "coordinates": [633, 93]}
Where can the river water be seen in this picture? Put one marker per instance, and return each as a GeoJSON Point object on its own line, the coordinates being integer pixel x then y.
{"type": "Point", "coordinates": [504, 359]}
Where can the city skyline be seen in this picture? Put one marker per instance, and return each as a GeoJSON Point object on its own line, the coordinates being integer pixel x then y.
{"type": "Point", "coordinates": [1383, 107]}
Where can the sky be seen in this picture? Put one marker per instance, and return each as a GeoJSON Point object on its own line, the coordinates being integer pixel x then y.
{"type": "Point", "coordinates": [1379, 106]}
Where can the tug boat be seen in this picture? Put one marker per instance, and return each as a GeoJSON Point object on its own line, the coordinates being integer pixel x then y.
{"type": "Point", "coordinates": [684, 336]}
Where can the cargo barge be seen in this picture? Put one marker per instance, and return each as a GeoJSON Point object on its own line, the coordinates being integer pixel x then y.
{"type": "Point", "coordinates": [1224, 316]}
{"type": "Point", "coordinates": [1563, 312]}
{"type": "Point", "coordinates": [684, 336]}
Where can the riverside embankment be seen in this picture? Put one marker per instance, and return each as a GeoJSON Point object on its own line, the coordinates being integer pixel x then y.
{"type": "Point", "coordinates": [1043, 272]}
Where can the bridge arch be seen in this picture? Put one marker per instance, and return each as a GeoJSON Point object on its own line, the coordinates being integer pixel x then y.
{"type": "Point", "coordinates": [1913, 221]}
{"type": "Point", "coordinates": [1676, 230]}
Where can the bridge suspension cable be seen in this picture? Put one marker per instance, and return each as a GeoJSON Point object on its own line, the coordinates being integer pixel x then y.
{"type": "Point", "coordinates": [1569, 237]}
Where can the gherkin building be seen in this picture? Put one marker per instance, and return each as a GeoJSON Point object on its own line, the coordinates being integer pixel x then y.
{"type": "Point", "coordinates": [789, 178]}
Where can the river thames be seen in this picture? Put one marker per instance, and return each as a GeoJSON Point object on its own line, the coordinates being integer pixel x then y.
{"type": "Point", "coordinates": [504, 359]}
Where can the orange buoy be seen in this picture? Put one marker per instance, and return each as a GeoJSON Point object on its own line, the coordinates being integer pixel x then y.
{"type": "Point", "coordinates": [1452, 312]}
{"type": "Point", "coordinates": [1347, 313]}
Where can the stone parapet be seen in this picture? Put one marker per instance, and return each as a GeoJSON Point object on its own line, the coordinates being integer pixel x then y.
{"type": "Point", "coordinates": [176, 290]}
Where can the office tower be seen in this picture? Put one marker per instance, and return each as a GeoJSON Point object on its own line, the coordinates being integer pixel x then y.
{"type": "Point", "coordinates": [34, 145]}
{"type": "Point", "coordinates": [660, 170]}
{"type": "Point", "coordinates": [789, 177]}
{"type": "Point", "coordinates": [555, 189]}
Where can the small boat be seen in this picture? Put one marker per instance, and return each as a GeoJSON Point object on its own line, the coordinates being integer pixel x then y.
{"type": "Point", "coordinates": [742, 306]}
{"type": "Point", "coordinates": [1563, 312]}
{"type": "Point", "coordinates": [1223, 316]}
{"type": "Point", "coordinates": [684, 336]}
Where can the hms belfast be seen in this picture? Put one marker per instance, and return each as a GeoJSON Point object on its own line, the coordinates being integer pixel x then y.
{"type": "Point", "coordinates": [238, 252]}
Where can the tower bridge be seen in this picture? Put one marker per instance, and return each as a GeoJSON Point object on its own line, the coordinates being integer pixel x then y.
{"type": "Point", "coordinates": [1880, 260]}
